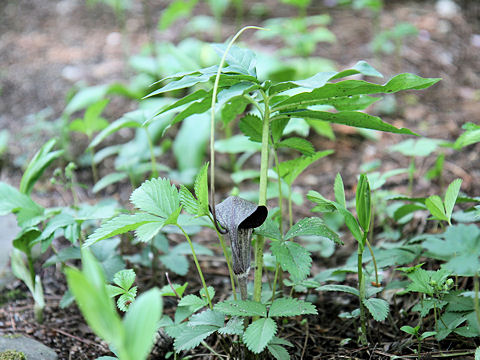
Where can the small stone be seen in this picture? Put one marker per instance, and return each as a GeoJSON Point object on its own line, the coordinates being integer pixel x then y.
{"type": "Point", "coordinates": [446, 8]}
{"type": "Point", "coordinates": [32, 349]}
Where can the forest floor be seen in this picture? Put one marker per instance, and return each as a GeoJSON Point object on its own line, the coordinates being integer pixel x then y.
{"type": "Point", "coordinates": [46, 47]}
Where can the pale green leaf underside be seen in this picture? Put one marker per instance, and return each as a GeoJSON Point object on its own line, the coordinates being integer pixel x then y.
{"type": "Point", "coordinates": [312, 226]}
{"type": "Point", "coordinates": [241, 308]}
{"type": "Point", "coordinates": [377, 307]}
{"type": "Point", "coordinates": [291, 307]}
{"type": "Point", "coordinates": [293, 258]}
{"type": "Point", "coordinates": [156, 196]}
{"type": "Point", "coordinates": [259, 333]}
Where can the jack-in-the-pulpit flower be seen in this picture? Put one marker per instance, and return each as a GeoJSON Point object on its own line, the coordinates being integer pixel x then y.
{"type": "Point", "coordinates": [239, 217]}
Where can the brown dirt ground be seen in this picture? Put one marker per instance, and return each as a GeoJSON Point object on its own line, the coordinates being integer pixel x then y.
{"type": "Point", "coordinates": [47, 46]}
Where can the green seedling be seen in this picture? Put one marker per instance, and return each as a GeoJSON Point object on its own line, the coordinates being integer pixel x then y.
{"type": "Point", "coordinates": [470, 136]}
{"type": "Point", "coordinates": [415, 331]}
{"type": "Point", "coordinates": [130, 338]}
{"type": "Point", "coordinates": [359, 228]}
{"type": "Point", "coordinates": [123, 281]}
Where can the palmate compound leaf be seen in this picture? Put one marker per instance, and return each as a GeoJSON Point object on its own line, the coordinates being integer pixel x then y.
{"type": "Point", "coordinates": [124, 278]}
{"type": "Point", "coordinates": [312, 226]}
{"type": "Point", "coordinates": [377, 307]}
{"type": "Point", "coordinates": [259, 333]}
{"type": "Point", "coordinates": [241, 308]}
{"type": "Point", "coordinates": [156, 196]}
{"type": "Point", "coordinates": [290, 307]}
{"type": "Point", "coordinates": [293, 258]}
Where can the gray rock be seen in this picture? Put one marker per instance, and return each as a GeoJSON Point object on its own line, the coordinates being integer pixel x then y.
{"type": "Point", "coordinates": [9, 229]}
{"type": "Point", "coordinates": [32, 349]}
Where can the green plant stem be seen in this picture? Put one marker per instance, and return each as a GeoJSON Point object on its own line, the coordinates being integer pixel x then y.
{"type": "Point", "coordinates": [262, 198]}
{"type": "Point", "coordinates": [227, 258]}
{"type": "Point", "coordinates": [280, 194]}
{"type": "Point", "coordinates": [152, 154]}
{"type": "Point", "coordinates": [373, 260]}
{"type": "Point", "coordinates": [212, 112]}
{"type": "Point", "coordinates": [275, 278]}
{"type": "Point", "coordinates": [30, 265]}
{"type": "Point", "coordinates": [200, 273]}
{"type": "Point", "coordinates": [411, 172]}
{"type": "Point", "coordinates": [476, 303]}
{"type": "Point", "coordinates": [290, 210]}
{"type": "Point", "coordinates": [94, 166]}
{"type": "Point", "coordinates": [361, 291]}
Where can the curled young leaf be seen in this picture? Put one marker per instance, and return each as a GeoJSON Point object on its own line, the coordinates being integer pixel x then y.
{"type": "Point", "coordinates": [239, 217]}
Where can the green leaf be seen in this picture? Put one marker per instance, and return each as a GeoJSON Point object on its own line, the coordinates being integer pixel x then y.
{"type": "Point", "coordinates": [176, 10]}
{"type": "Point", "coordinates": [86, 97]}
{"type": "Point", "coordinates": [269, 229]}
{"type": "Point", "coordinates": [175, 262]}
{"type": "Point", "coordinates": [350, 118]}
{"type": "Point", "coordinates": [234, 326]}
{"type": "Point", "coordinates": [167, 289]}
{"type": "Point", "coordinates": [207, 317]}
{"type": "Point", "coordinates": [341, 288]}
{"type": "Point", "coordinates": [124, 278]}
{"type": "Point", "coordinates": [363, 202]}
{"type": "Point", "coordinates": [147, 231]}
{"type": "Point", "coordinates": [188, 201]}
{"type": "Point", "coordinates": [126, 299]}
{"type": "Point", "coordinates": [289, 170]}
{"type": "Point", "coordinates": [278, 352]}
{"type": "Point", "coordinates": [339, 191]}
{"type": "Point", "coordinates": [322, 90]}
{"type": "Point", "coordinates": [11, 201]}
{"type": "Point", "coordinates": [126, 121]}
{"type": "Point", "coordinates": [290, 307]}
{"type": "Point", "coordinates": [300, 144]}
{"type": "Point", "coordinates": [241, 308]}
{"type": "Point", "coordinates": [156, 196]}
{"type": "Point", "coordinates": [312, 226]}
{"type": "Point", "coordinates": [191, 337]}
{"type": "Point", "coordinates": [201, 191]}
{"type": "Point", "coordinates": [435, 205]}
{"type": "Point", "coordinates": [409, 330]}
{"type": "Point", "coordinates": [259, 333]}
{"type": "Point", "coordinates": [420, 147]}
{"type": "Point", "coordinates": [236, 144]}
{"type": "Point", "coordinates": [251, 126]}
{"type": "Point", "coordinates": [109, 179]}
{"type": "Point", "coordinates": [451, 197]}
{"type": "Point", "coordinates": [88, 287]}
{"type": "Point", "coordinates": [40, 161]}
{"type": "Point", "coordinates": [293, 258]}
{"type": "Point", "coordinates": [192, 301]}
{"type": "Point", "coordinates": [377, 307]}
{"type": "Point", "coordinates": [120, 225]}
{"type": "Point", "coordinates": [140, 323]}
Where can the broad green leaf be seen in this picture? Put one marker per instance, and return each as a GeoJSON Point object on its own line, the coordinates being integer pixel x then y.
{"type": "Point", "coordinates": [377, 307]}
{"type": "Point", "coordinates": [201, 191]}
{"type": "Point", "coordinates": [290, 307]}
{"type": "Point", "coordinates": [86, 97]}
{"type": "Point", "coordinates": [363, 202]}
{"type": "Point", "coordinates": [339, 191]}
{"type": "Point", "coordinates": [124, 278]}
{"type": "Point", "coordinates": [293, 258]}
{"type": "Point", "coordinates": [167, 289]}
{"type": "Point", "coordinates": [236, 144]}
{"type": "Point", "coordinates": [40, 161]}
{"type": "Point", "coordinates": [207, 317]}
{"type": "Point", "coordinates": [451, 197]}
{"type": "Point", "coordinates": [312, 226]}
{"type": "Point", "coordinates": [126, 299]}
{"type": "Point", "coordinates": [420, 147]}
{"type": "Point", "coordinates": [57, 222]}
{"type": "Point", "coordinates": [240, 60]}
{"type": "Point", "coordinates": [322, 90]}
{"type": "Point", "coordinates": [420, 282]}
{"type": "Point", "coordinates": [192, 301]}
{"type": "Point", "coordinates": [469, 137]}
{"type": "Point", "coordinates": [187, 81]}
{"type": "Point", "coordinates": [176, 10]}
{"type": "Point", "coordinates": [406, 209]}
{"type": "Point", "coordinates": [156, 196]}
{"type": "Point", "coordinates": [125, 121]}
{"type": "Point", "coordinates": [88, 287]}
{"type": "Point", "coordinates": [350, 103]}
{"type": "Point", "coordinates": [350, 118]}
{"type": "Point", "coordinates": [233, 107]}
{"type": "Point", "coordinates": [435, 205]}
{"type": "Point", "coordinates": [300, 144]}
{"type": "Point", "coordinates": [191, 337]}
{"type": "Point", "coordinates": [11, 201]}
{"type": "Point", "coordinates": [251, 126]}
{"type": "Point", "coordinates": [140, 323]}
{"type": "Point", "coordinates": [241, 308]}
{"type": "Point", "coordinates": [409, 330]}
{"type": "Point", "coordinates": [109, 179]}
{"type": "Point", "coordinates": [194, 108]}
{"type": "Point", "coordinates": [120, 225]}
{"type": "Point", "coordinates": [289, 170]}
{"type": "Point", "coordinates": [114, 290]}
{"type": "Point", "coordinates": [341, 288]}
{"type": "Point", "coordinates": [197, 95]}
{"type": "Point", "coordinates": [175, 262]}
{"type": "Point", "coordinates": [259, 333]}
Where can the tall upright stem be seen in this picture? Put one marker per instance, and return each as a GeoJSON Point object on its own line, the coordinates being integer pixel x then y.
{"type": "Point", "coordinates": [361, 292]}
{"type": "Point", "coordinates": [262, 198]}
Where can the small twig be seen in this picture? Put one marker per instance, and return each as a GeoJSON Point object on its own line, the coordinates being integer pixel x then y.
{"type": "Point", "coordinates": [171, 286]}
{"type": "Point", "coordinates": [306, 340]}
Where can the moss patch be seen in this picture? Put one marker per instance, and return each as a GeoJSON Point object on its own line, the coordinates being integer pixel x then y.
{"type": "Point", "coordinates": [12, 355]}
